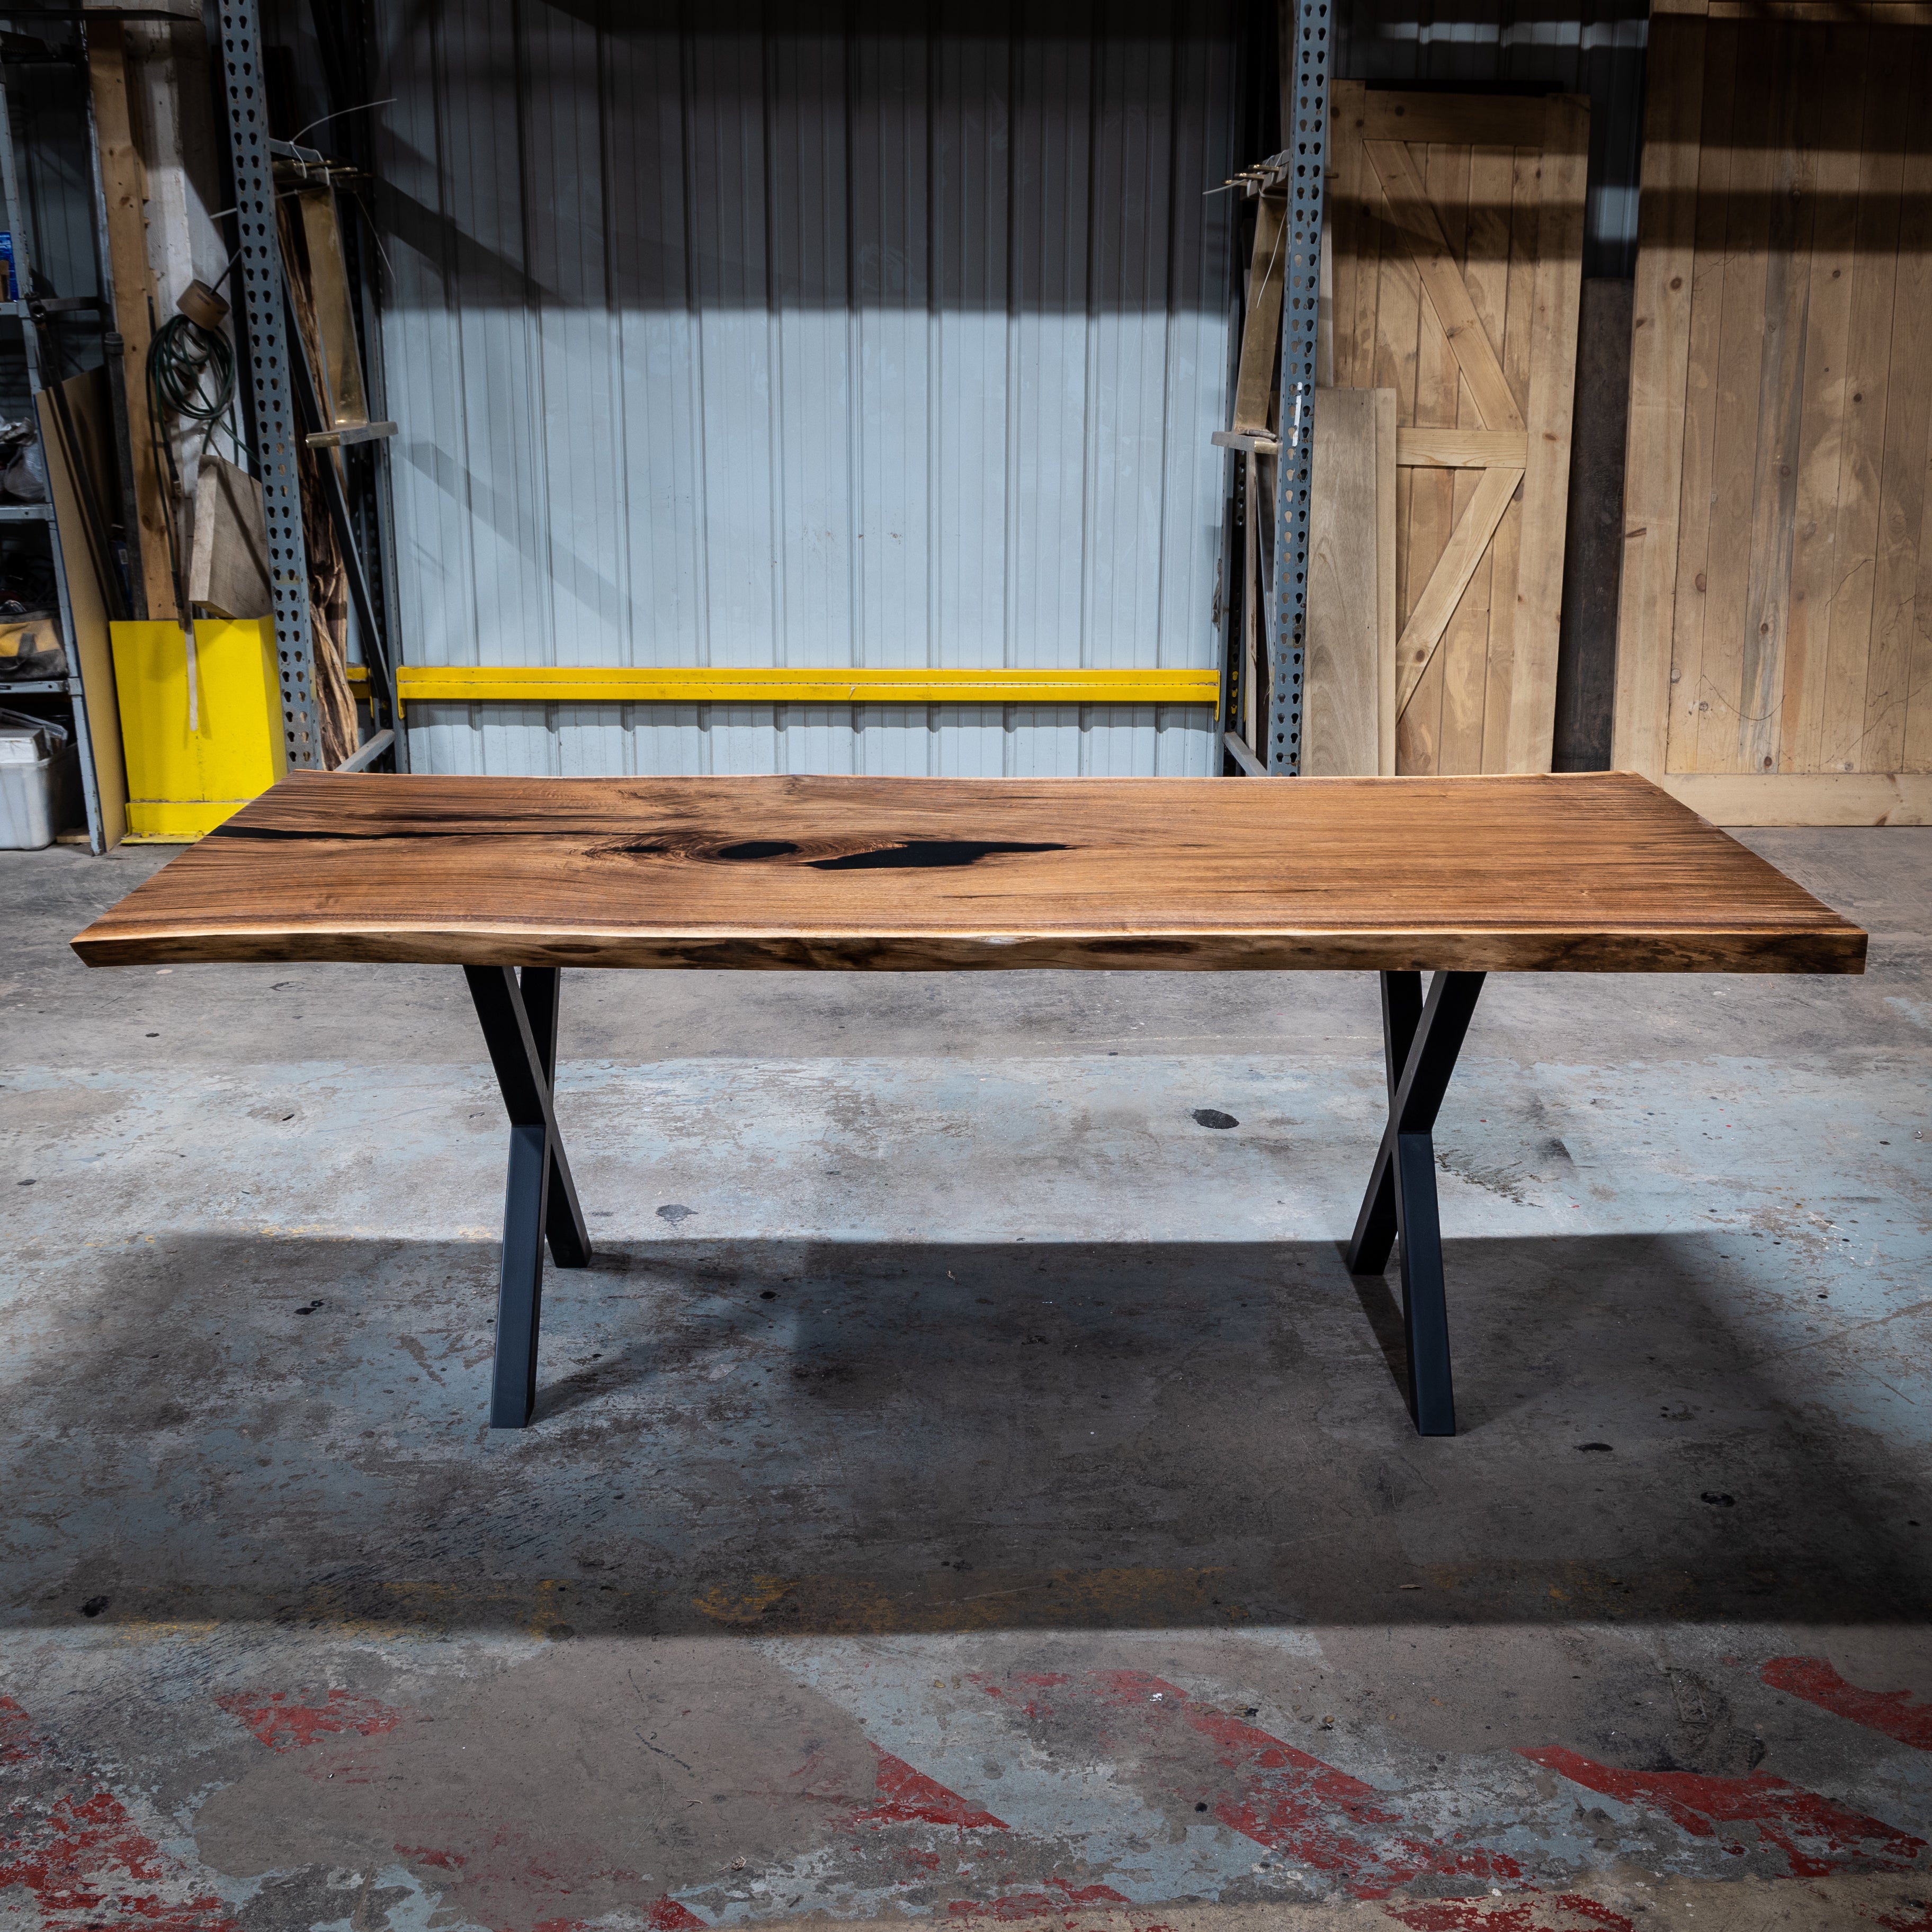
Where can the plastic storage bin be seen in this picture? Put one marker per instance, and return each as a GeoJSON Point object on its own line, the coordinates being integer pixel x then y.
{"type": "Point", "coordinates": [35, 755]}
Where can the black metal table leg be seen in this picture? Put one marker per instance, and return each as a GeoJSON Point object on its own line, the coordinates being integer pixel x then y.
{"type": "Point", "coordinates": [1421, 1039]}
{"type": "Point", "coordinates": [519, 1019]}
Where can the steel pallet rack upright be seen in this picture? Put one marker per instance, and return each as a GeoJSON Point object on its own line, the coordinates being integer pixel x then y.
{"type": "Point", "coordinates": [31, 312]}
{"type": "Point", "coordinates": [1304, 64]}
{"type": "Point", "coordinates": [268, 374]}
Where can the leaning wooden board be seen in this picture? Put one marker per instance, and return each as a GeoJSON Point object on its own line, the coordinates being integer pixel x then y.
{"type": "Point", "coordinates": [1598, 871]}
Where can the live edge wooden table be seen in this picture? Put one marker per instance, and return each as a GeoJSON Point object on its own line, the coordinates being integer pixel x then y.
{"type": "Point", "coordinates": [512, 879]}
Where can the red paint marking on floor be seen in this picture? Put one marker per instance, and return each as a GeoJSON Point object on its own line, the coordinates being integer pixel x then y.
{"type": "Point", "coordinates": [666, 1914]}
{"type": "Point", "coordinates": [1920, 1920]}
{"type": "Point", "coordinates": [1483, 1914]}
{"type": "Point", "coordinates": [283, 1722]}
{"type": "Point", "coordinates": [903, 1796]}
{"type": "Point", "coordinates": [425, 1855]}
{"type": "Point", "coordinates": [1464, 1915]}
{"type": "Point", "coordinates": [1295, 1804]}
{"type": "Point", "coordinates": [1817, 1837]}
{"type": "Point", "coordinates": [1042, 1680]}
{"type": "Point", "coordinates": [85, 1864]}
{"type": "Point", "coordinates": [1595, 1911]}
{"type": "Point", "coordinates": [1040, 1904]}
{"type": "Point", "coordinates": [18, 1743]}
{"type": "Point", "coordinates": [1894, 1713]}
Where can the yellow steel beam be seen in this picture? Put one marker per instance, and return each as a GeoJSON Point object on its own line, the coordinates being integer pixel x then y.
{"type": "Point", "coordinates": [548, 684]}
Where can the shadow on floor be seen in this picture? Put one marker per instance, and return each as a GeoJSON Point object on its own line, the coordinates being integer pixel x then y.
{"type": "Point", "coordinates": [879, 1436]}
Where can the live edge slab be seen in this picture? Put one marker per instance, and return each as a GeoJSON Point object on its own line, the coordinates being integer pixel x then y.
{"type": "Point", "coordinates": [513, 878]}
{"type": "Point", "coordinates": [1595, 872]}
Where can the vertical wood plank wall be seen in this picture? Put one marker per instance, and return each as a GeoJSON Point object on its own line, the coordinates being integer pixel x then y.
{"type": "Point", "coordinates": [1775, 647]}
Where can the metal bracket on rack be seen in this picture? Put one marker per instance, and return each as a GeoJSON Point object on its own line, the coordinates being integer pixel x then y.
{"type": "Point", "coordinates": [1305, 140]}
{"type": "Point", "coordinates": [266, 367]}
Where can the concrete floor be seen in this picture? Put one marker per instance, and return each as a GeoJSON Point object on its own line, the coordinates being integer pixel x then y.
{"type": "Point", "coordinates": [964, 1486]}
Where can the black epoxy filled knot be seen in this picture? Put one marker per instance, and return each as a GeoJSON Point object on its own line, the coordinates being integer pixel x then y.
{"type": "Point", "coordinates": [759, 848]}
{"type": "Point", "coordinates": [908, 853]}
{"type": "Point", "coordinates": [926, 852]}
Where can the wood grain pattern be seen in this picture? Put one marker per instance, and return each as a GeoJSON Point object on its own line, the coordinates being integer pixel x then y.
{"type": "Point", "coordinates": [124, 183]}
{"type": "Point", "coordinates": [1387, 618]}
{"type": "Point", "coordinates": [1705, 312]}
{"type": "Point", "coordinates": [1740, 365]}
{"type": "Point", "coordinates": [1839, 106]}
{"type": "Point", "coordinates": [1423, 448]}
{"type": "Point", "coordinates": [1453, 569]}
{"type": "Point", "coordinates": [1468, 662]}
{"type": "Point", "coordinates": [1256, 374]}
{"type": "Point", "coordinates": [1342, 229]}
{"type": "Point", "coordinates": [1414, 215]}
{"type": "Point", "coordinates": [1463, 235]}
{"type": "Point", "coordinates": [1659, 359]}
{"type": "Point", "coordinates": [1781, 413]}
{"type": "Point", "coordinates": [1896, 626]}
{"type": "Point", "coordinates": [1460, 120]}
{"type": "Point", "coordinates": [1506, 546]}
{"type": "Point", "coordinates": [1805, 798]}
{"type": "Point", "coordinates": [1341, 725]}
{"type": "Point", "coordinates": [1531, 722]}
{"type": "Point", "coordinates": [1598, 871]}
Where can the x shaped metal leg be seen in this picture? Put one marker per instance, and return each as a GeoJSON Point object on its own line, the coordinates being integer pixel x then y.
{"type": "Point", "coordinates": [519, 1027]}
{"type": "Point", "coordinates": [1420, 1039]}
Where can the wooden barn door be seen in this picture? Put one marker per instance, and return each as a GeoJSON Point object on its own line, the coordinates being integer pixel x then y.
{"type": "Point", "coordinates": [1458, 226]}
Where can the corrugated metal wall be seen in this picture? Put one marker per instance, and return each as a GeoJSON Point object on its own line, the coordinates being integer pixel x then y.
{"type": "Point", "coordinates": [1573, 46]}
{"type": "Point", "coordinates": [886, 339]}
{"type": "Point", "coordinates": [47, 101]}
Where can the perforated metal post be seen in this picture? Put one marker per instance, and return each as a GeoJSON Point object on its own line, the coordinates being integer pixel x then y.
{"type": "Point", "coordinates": [264, 366]}
{"type": "Point", "coordinates": [1305, 140]}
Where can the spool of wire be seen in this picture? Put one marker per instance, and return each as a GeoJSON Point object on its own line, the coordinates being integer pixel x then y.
{"type": "Point", "coordinates": [191, 376]}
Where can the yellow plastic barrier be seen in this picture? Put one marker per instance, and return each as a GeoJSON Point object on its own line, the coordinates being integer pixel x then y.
{"type": "Point", "coordinates": [182, 783]}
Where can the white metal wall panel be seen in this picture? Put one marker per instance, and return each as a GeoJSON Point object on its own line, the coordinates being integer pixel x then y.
{"type": "Point", "coordinates": [826, 337]}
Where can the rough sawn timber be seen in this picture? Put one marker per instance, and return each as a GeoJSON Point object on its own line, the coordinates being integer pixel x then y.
{"type": "Point", "coordinates": [1595, 872]}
